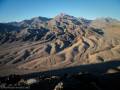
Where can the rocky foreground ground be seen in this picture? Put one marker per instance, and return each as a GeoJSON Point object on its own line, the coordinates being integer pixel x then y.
{"type": "Point", "coordinates": [80, 81]}
{"type": "Point", "coordinates": [102, 76]}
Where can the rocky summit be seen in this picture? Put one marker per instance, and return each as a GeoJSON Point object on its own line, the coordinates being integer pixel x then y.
{"type": "Point", "coordinates": [43, 44]}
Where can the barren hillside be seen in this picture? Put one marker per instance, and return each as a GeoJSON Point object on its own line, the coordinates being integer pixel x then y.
{"type": "Point", "coordinates": [42, 44]}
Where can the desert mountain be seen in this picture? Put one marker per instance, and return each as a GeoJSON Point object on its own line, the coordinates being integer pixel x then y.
{"type": "Point", "coordinates": [63, 41]}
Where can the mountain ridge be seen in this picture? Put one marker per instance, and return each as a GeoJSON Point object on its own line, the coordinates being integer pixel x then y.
{"type": "Point", "coordinates": [63, 41]}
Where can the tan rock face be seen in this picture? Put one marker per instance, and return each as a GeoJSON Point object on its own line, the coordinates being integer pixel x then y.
{"type": "Point", "coordinates": [61, 42]}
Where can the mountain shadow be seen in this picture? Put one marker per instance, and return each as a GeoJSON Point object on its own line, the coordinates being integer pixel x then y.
{"type": "Point", "coordinates": [97, 69]}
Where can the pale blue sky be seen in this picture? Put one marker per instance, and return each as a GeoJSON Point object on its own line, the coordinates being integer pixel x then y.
{"type": "Point", "coordinates": [17, 10]}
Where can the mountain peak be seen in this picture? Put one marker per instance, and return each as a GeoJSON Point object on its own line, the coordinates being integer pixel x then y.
{"type": "Point", "coordinates": [65, 18]}
{"type": "Point", "coordinates": [64, 15]}
{"type": "Point", "coordinates": [107, 19]}
{"type": "Point", "coordinates": [39, 18]}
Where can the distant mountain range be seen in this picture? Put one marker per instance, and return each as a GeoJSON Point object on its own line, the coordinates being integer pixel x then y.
{"type": "Point", "coordinates": [42, 43]}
